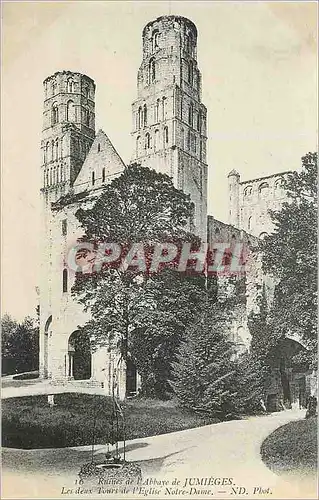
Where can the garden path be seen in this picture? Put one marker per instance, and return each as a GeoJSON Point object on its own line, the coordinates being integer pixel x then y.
{"type": "Point", "coordinates": [227, 449]}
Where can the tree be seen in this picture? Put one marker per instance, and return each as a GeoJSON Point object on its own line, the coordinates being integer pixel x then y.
{"type": "Point", "coordinates": [203, 373]}
{"type": "Point", "coordinates": [140, 206]}
{"type": "Point", "coordinates": [20, 345]}
{"type": "Point", "coordinates": [290, 253]}
{"type": "Point", "coordinates": [154, 342]}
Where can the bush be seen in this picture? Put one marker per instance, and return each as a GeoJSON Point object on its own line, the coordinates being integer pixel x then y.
{"type": "Point", "coordinates": [292, 448]}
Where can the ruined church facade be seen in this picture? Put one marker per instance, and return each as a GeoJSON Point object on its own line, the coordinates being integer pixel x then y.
{"type": "Point", "coordinates": [169, 131]}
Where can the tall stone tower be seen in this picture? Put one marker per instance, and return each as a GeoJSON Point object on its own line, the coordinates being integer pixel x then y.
{"type": "Point", "coordinates": [169, 119]}
{"type": "Point", "coordinates": [68, 130]}
{"type": "Point", "coordinates": [67, 135]}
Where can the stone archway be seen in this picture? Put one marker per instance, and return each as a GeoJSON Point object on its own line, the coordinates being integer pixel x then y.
{"type": "Point", "coordinates": [287, 383]}
{"type": "Point", "coordinates": [79, 365]}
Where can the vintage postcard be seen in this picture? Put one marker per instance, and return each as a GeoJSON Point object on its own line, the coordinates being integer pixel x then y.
{"type": "Point", "coordinates": [159, 251]}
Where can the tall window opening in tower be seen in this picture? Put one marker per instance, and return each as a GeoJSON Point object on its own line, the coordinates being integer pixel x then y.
{"type": "Point", "coordinates": [190, 114]}
{"type": "Point", "coordinates": [56, 149]}
{"type": "Point", "coordinates": [164, 107]}
{"type": "Point", "coordinates": [65, 280]}
{"type": "Point", "coordinates": [147, 141]}
{"type": "Point", "coordinates": [138, 143]}
{"type": "Point", "coordinates": [151, 71]}
{"type": "Point", "coordinates": [70, 111]}
{"type": "Point", "coordinates": [144, 115]}
{"type": "Point", "coordinates": [103, 174]}
{"type": "Point", "coordinates": [190, 72]}
{"type": "Point", "coordinates": [93, 178]}
{"type": "Point", "coordinates": [70, 86]}
{"type": "Point", "coordinates": [188, 140]}
{"type": "Point", "coordinates": [139, 118]}
{"type": "Point", "coordinates": [165, 135]}
{"type": "Point", "coordinates": [199, 121]}
{"type": "Point", "coordinates": [156, 140]}
{"type": "Point", "coordinates": [55, 113]}
{"type": "Point", "coordinates": [157, 105]}
{"type": "Point", "coordinates": [86, 117]}
{"type": "Point", "coordinates": [155, 38]}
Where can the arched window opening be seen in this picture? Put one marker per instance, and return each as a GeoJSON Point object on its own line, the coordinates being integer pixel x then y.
{"type": "Point", "coordinates": [52, 150]}
{"type": "Point", "coordinates": [65, 280]}
{"type": "Point", "coordinates": [157, 111]}
{"type": "Point", "coordinates": [195, 144]}
{"type": "Point", "coordinates": [147, 141]}
{"type": "Point", "coordinates": [70, 86]}
{"type": "Point", "coordinates": [217, 230]}
{"type": "Point", "coordinates": [54, 88]}
{"type": "Point", "coordinates": [47, 177]}
{"type": "Point", "coordinates": [156, 140]}
{"type": "Point", "coordinates": [138, 145]}
{"type": "Point", "coordinates": [278, 185]}
{"type": "Point", "coordinates": [86, 117]}
{"type": "Point", "coordinates": [164, 107]}
{"type": "Point", "coordinates": [155, 39]}
{"type": "Point", "coordinates": [263, 235]}
{"type": "Point", "coordinates": [190, 72]}
{"type": "Point", "coordinates": [263, 188]}
{"type": "Point", "coordinates": [199, 121]}
{"type": "Point", "coordinates": [144, 115]}
{"type": "Point", "coordinates": [70, 111]}
{"type": "Point", "coordinates": [247, 191]}
{"type": "Point", "coordinates": [190, 114]}
{"type": "Point", "coordinates": [165, 135]}
{"type": "Point", "coordinates": [98, 147]}
{"type": "Point", "coordinates": [151, 71]}
{"type": "Point", "coordinates": [57, 149]}
{"type": "Point", "coordinates": [139, 119]}
{"type": "Point", "coordinates": [93, 178]}
{"type": "Point", "coordinates": [249, 222]}
{"type": "Point", "coordinates": [103, 174]}
{"type": "Point", "coordinates": [55, 114]}
{"type": "Point", "coordinates": [86, 91]}
{"type": "Point", "coordinates": [188, 140]}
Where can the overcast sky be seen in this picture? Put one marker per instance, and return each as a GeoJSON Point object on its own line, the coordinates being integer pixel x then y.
{"type": "Point", "coordinates": [258, 62]}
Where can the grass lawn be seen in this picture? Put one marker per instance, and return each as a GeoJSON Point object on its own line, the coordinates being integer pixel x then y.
{"type": "Point", "coordinates": [292, 448]}
{"type": "Point", "coordinates": [29, 422]}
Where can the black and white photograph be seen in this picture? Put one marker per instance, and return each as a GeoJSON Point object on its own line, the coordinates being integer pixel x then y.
{"type": "Point", "coordinates": [159, 250]}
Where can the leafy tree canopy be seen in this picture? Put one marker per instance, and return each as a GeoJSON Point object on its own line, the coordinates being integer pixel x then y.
{"type": "Point", "coordinates": [290, 253]}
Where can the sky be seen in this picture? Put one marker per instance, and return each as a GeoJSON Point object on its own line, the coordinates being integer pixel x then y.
{"type": "Point", "coordinates": [258, 62]}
